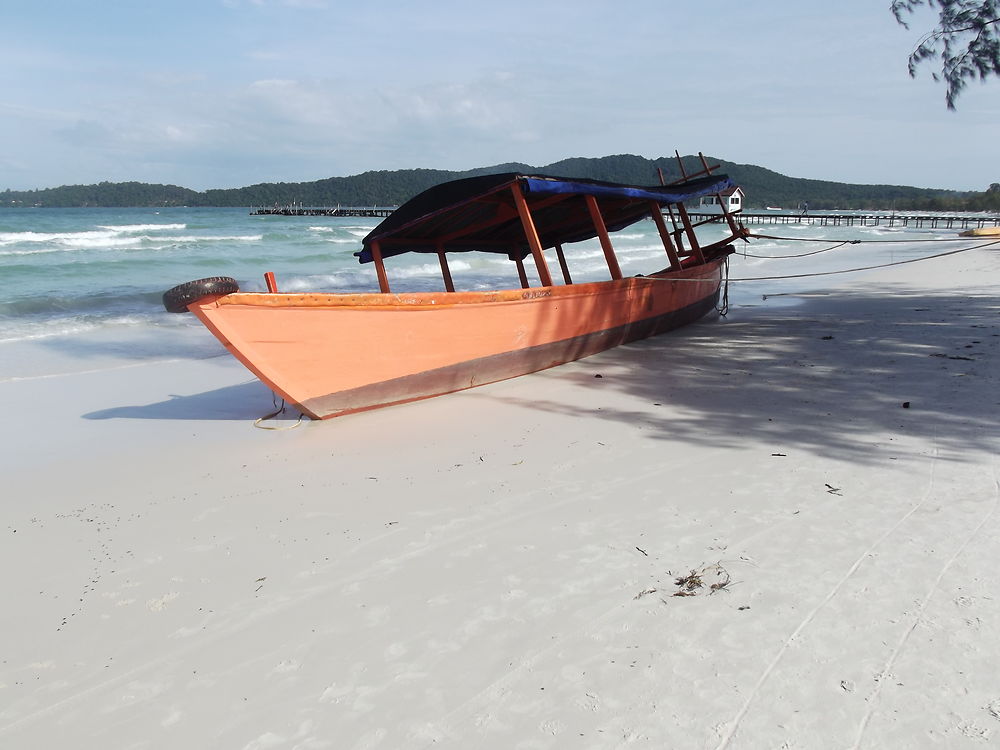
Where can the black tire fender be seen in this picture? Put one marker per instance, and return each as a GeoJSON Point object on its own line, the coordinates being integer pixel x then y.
{"type": "Point", "coordinates": [176, 300]}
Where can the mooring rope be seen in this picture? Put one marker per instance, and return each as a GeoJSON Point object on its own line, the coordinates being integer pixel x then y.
{"type": "Point", "coordinates": [723, 308]}
{"type": "Point", "coordinates": [745, 254]}
{"type": "Point", "coordinates": [278, 410]}
{"type": "Point", "coordinates": [856, 242]}
{"type": "Point", "coordinates": [834, 273]}
{"type": "Point", "coordinates": [869, 268]}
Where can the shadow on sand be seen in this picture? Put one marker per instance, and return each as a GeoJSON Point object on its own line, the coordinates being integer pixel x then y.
{"type": "Point", "coordinates": [829, 376]}
{"type": "Point", "coordinates": [242, 402]}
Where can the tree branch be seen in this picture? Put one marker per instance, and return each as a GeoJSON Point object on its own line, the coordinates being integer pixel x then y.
{"type": "Point", "coordinates": [962, 59]}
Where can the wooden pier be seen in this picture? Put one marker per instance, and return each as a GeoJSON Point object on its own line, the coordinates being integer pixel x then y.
{"type": "Point", "coordinates": [932, 221]}
{"type": "Point", "coordinates": [373, 212]}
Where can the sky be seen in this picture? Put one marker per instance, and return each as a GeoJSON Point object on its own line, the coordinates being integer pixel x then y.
{"type": "Point", "coordinates": [226, 93]}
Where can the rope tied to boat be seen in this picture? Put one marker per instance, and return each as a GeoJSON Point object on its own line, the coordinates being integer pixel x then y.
{"type": "Point", "coordinates": [258, 423]}
{"type": "Point", "coordinates": [745, 254]}
{"type": "Point", "coordinates": [831, 273]}
{"type": "Point", "coordinates": [855, 242]}
{"type": "Point", "coordinates": [870, 268]}
{"type": "Point", "coordinates": [723, 307]}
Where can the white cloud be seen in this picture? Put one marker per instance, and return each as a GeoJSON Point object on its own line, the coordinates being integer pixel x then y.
{"type": "Point", "coordinates": [232, 92]}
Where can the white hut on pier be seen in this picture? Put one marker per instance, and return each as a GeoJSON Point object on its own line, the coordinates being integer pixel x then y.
{"type": "Point", "coordinates": [733, 197]}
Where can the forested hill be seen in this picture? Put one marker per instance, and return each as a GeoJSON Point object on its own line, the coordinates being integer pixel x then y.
{"type": "Point", "coordinates": [763, 187]}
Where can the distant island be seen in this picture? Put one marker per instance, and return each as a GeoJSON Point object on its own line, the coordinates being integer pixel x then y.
{"type": "Point", "coordinates": [763, 187]}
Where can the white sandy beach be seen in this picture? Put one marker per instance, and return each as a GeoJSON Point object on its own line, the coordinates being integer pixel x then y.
{"type": "Point", "coordinates": [497, 568]}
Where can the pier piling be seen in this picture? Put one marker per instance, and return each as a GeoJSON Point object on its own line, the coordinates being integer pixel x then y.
{"type": "Point", "coordinates": [373, 212]}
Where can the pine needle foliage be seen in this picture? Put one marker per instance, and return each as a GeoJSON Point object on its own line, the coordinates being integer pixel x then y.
{"type": "Point", "coordinates": [966, 40]}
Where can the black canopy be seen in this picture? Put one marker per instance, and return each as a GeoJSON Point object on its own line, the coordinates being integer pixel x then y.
{"type": "Point", "coordinates": [479, 213]}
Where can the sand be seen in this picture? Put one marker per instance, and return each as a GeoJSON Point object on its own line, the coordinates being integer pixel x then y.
{"type": "Point", "coordinates": [498, 568]}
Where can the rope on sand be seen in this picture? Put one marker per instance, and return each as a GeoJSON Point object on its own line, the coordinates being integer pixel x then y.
{"type": "Point", "coordinates": [278, 410]}
{"type": "Point", "coordinates": [869, 268]}
{"type": "Point", "coordinates": [855, 242]}
{"type": "Point", "coordinates": [799, 255]}
{"type": "Point", "coordinates": [834, 273]}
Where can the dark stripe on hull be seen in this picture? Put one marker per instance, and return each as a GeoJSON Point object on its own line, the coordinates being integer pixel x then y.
{"type": "Point", "coordinates": [499, 366]}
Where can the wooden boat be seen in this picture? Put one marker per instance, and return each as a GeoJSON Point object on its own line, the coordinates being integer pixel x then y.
{"type": "Point", "coordinates": [334, 354]}
{"type": "Point", "coordinates": [981, 232]}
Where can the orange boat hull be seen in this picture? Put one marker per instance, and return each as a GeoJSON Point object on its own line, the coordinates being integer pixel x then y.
{"type": "Point", "coordinates": [333, 354]}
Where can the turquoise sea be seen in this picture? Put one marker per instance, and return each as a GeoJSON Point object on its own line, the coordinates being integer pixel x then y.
{"type": "Point", "coordinates": [76, 275]}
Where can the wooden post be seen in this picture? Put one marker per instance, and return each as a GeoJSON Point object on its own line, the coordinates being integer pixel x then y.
{"type": "Point", "coordinates": [680, 164]}
{"type": "Point", "coordinates": [531, 234]}
{"type": "Point", "coordinates": [449, 286]}
{"type": "Point", "coordinates": [602, 233]}
{"type": "Point", "coordinates": [677, 233]}
{"type": "Point", "coordinates": [562, 265]}
{"type": "Point", "coordinates": [722, 202]}
{"type": "Point", "coordinates": [383, 280]}
{"type": "Point", "coordinates": [689, 230]}
{"type": "Point", "coordinates": [520, 272]}
{"type": "Point", "coordinates": [661, 227]}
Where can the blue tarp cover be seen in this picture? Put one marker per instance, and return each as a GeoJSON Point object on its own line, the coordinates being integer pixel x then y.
{"type": "Point", "coordinates": [478, 213]}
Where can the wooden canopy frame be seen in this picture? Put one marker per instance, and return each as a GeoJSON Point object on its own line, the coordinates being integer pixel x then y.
{"type": "Point", "coordinates": [519, 210]}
